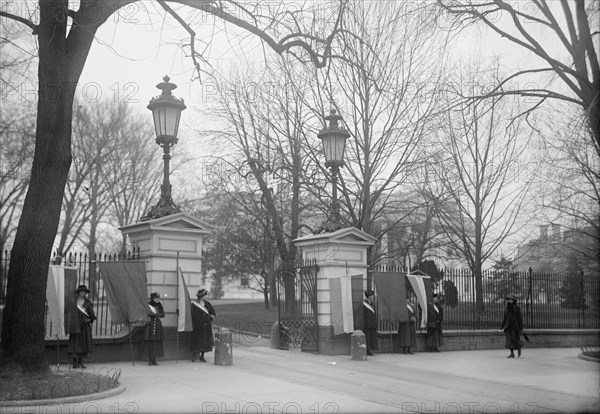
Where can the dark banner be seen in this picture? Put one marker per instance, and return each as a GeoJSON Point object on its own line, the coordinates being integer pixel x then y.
{"type": "Point", "coordinates": [125, 284]}
{"type": "Point", "coordinates": [390, 293]}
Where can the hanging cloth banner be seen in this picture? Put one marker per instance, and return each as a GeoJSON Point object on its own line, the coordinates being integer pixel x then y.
{"type": "Point", "coordinates": [391, 296]}
{"type": "Point", "coordinates": [358, 289]}
{"type": "Point", "coordinates": [125, 284]}
{"type": "Point", "coordinates": [417, 281]}
{"type": "Point", "coordinates": [55, 297]}
{"type": "Point", "coordinates": [342, 316]}
{"type": "Point", "coordinates": [184, 313]}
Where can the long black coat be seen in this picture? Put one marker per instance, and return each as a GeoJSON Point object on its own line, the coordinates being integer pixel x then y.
{"type": "Point", "coordinates": [512, 325]}
{"type": "Point", "coordinates": [434, 336]}
{"type": "Point", "coordinates": [201, 339]}
{"type": "Point", "coordinates": [154, 328]}
{"type": "Point", "coordinates": [79, 327]}
{"type": "Point", "coordinates": [407, 332]}
{"type": "Point", "coordinates": [370, 325]}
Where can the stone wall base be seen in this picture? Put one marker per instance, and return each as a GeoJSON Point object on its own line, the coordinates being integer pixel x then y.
{"type": "Point", "coordinates": [480, 340]}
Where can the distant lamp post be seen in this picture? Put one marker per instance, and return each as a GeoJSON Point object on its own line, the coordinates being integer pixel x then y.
{"type": "Point", "coordinates": [334, 142]}
{"type": "Point", "coordinates": [166, 112]}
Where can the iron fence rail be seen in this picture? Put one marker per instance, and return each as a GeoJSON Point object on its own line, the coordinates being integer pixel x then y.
{"type": "Point", "coordinates": [547, 301]}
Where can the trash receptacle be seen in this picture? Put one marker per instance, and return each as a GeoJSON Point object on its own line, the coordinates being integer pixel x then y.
{"type": "Point", "coordinates": [223, 347]}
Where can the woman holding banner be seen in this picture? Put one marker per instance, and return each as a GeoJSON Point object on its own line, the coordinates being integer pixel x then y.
{"type": "Point", "coordinates": [153, 335]}
{"type": "Point", "coordinates": [370, 322]}
{"type": "Point", "coordinates": [407, 332]}
{"type": "Point", "coordinates": [80, 316]}
{"type": "Point", "coordinates": [435, 316]}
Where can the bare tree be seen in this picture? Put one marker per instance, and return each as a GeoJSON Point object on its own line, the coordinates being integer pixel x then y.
{"type": "Point", "coordinates": [16, 142]}
{"type": "Point", "coordinates": [266, 137]}
{"type": "Point", "coordinates": [483, 145]}
{"type": "Point", "coordinates": [569, 188]}
{"type": "Point", "coordinates": [385, 88]}
{"type": "Point", "coordinates": [65, 36]}
{"type": "Point", "coordinates": [563, 35]}
{"type": "Point", "coordinates": [16, 128]}
{"type": "Point", "coordinates": [136, 173]}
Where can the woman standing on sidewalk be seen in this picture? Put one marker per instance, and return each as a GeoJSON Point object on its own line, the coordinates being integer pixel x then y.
{"type": "Point", "coordinates": [153, 335]}
{"type": "Point", "coordinates": [512, 326]}
{"type": "Point", "coordinates": [80, 316]}
{"type": "Point", "coordinates": [203, 313]}
{"type": "Point", "coordinates": [407, 332]}
{"type": "Point", "coordinates": [370, 322]}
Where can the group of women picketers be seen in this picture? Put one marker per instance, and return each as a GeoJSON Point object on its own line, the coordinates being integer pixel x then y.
{"type": "Point", "coordinates": [512, 326]}
{"type": "Point", "coordinates": [80, 317]}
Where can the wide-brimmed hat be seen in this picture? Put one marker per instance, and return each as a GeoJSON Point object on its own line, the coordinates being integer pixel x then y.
{"type": "Point", "coordinates": [511, 297]}
{"type": "Point", "coordinates": [369, 293]}
{"type": "Point", "coordinates": [82, 287]}
{"type": "Point", "coordinates": [202, 292]}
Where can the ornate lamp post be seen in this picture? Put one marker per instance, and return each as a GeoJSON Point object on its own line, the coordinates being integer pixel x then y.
{"type": "Point", "coordinates": [166, 112]}
{"type": "Point", "coordinates": [529, 300]}
{"type": "Point", "coordinates": [334, 142]}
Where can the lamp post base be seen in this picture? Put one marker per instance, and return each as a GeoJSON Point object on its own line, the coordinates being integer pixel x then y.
{"type": "Point", "coordinates": [164, 207]}
{"type": "Point", "coordinates": [333, 223]}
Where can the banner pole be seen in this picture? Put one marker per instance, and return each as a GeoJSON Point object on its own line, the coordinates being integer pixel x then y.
{"type": "Point", "coordinates": [177, 313]}
{"type": "Point", "coordinates": [57, 351]}
{"type": "Point", "coordinates": [130, 344]}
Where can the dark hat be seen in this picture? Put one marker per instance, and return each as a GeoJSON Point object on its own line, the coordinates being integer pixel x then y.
{"type": "Point", "coordinates": [435, 295]}
{"type": "Point", "coordinates": [154, 295]}
{"type": "Point", "coordinates": [369, 293]}
{"type": "Point", "coordinates": [511, 297]}
{"type": "Point", "coordinates": [202, 292]}
{"type": "Point", "coordinates": [82, 287]}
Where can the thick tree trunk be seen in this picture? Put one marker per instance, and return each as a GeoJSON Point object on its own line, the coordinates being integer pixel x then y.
{"type": "Point", "coordinates": [23, 319]}
{"type": "Point", "coordinates": [61, 60]}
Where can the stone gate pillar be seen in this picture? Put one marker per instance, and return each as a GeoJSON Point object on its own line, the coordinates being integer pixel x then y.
{"type": "Point", "coordinates": [160, 241]}
{"type": "Point", "coordinates": [340, 254]}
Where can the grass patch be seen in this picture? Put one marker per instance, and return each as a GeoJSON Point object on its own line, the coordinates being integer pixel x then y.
{"type": "Point", "coordinates": [250, 317]}
{"type": "Point", "coordinates": [52, 385]}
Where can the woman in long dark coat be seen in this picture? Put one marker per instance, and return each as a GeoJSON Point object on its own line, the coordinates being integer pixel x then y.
{"type": "Point", "coordinates": [153, 335]}
{"type": "Point", "coordinates": [203, 313]}
{"type": "Point", "coordinates": [370, 322]}
{"type": "Point", "coordinates": [512, 326]}
{"type": "Point", "coordinates": [407, 332]}
{"type": "Point", "coordinates": [435, 316]}
{"type": "Point", "coordinates": [80, 316]}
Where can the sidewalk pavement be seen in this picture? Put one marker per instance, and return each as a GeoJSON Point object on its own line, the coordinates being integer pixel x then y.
{"type": "Point", "coordinates": [264, 380]}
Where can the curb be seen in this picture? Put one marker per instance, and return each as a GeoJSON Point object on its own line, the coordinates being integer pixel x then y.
{"type": "Point", "coordinates": [65, 400]}
{"type": "Point", "coordinates": [588, 358]}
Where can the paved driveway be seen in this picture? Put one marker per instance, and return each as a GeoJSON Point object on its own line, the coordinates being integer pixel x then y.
{"type": "Point", "coordinates": [263, 380]}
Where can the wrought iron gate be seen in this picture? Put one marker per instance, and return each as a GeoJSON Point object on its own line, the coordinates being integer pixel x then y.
{"type": "Point", "coordinates": [297, 298]}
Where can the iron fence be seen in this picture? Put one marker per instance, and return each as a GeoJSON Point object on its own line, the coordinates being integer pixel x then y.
{"type": "Point", "coordinates": [547, 301]}
{"type": "Point", "coordinates": [86, 270]}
